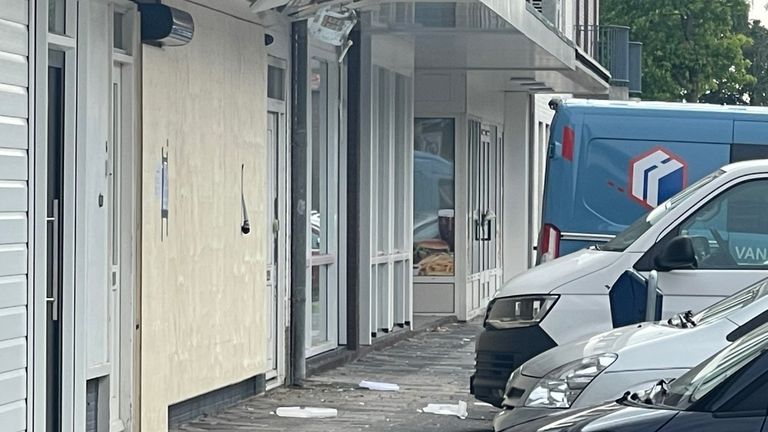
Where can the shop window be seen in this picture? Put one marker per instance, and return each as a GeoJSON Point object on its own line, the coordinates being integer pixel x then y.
{"type": "Point", "coordinates": [433, 199]}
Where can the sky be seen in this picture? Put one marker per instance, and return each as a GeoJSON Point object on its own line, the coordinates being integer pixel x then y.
{"type": "Point", "coordinates": [758, 10]}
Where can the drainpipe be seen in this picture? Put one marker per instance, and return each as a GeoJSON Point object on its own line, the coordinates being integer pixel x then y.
{"type": "Point", "coordinates": [299, 145]}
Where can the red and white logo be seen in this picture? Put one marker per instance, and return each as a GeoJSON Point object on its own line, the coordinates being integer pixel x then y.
{"type": "Point", "coordinates": [656, 176]}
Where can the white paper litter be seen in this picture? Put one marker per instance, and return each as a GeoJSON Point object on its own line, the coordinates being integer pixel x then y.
{"type": "Point", "coordinates": [307, 412]}
{"type": "Point", "coordinates": [380, 386]}
{"type": "Point", "coordinates": [459, 410]}
{"type": "Point", "coordinates": [483, 404]}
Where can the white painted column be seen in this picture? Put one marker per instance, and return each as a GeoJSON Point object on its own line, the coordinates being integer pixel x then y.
{"type": "Point", "coordinates": [517, 114]}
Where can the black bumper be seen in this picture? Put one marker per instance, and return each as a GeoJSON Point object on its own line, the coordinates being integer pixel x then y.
{"type": "Point", "coordinates": [498, 353]}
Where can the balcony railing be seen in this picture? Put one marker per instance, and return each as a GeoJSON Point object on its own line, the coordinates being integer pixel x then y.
{"type": "Point", "coordinates": [609, 45]}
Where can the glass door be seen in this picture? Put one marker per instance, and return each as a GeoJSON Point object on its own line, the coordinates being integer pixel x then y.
{"type": "Point", "coordinates": [485, 192]}
{"type": "Point", "coordinates": [324, 204]}
{"type": "Point", "coordinates": [55, 229]}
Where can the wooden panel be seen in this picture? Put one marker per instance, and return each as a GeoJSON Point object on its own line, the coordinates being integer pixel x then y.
{"type": "Point", "coordinates": [13, 228]}
{"type": "Point", "coordinates": [13, 164]}
{"type": "Point", "coordinates": [13, 416]}
{"type": "Point", "coordinates": [13, 38]}
{"type": "Point", "coordinates": [13, 291]}
{"type": "Point", "coordinates": [13, 196]}
{"type": "Point", "coordinates": [13, 323]}
{"type": "Point", "coordinates": [13, 133]}
{"type": "Point", "coordinates": [13, 354]}
{"type": "Point", "coordinates": [13, 260]}
{"type": "Point", "coordinates": [14, 10]}
{"type": "Point", "coordinates": [13, 386]}
{"type": "Point", "coordinates": [13, 69]}
{"type": "Point", "coordinates": [13, 101]}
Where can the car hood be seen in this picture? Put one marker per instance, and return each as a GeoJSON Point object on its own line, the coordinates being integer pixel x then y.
{"type": "Point", "coordinates": [613, 417]}
{"type": "Point", "coordinates": [546, 277]}
{"type": "Point", "coordinates": [614, 341]}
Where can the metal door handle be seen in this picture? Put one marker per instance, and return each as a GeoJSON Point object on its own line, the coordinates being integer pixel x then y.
{"type": "Point", "coordinates": [55, 271]}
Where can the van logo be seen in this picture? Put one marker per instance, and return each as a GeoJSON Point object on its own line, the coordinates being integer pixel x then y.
{"type": "Point", "coordinates": [656, 176]}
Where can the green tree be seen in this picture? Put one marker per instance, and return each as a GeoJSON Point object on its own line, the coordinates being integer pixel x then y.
{"type": "Point", "coordinates": [757, 54]}
{"type": "Point", "coordinates": [691, 48]}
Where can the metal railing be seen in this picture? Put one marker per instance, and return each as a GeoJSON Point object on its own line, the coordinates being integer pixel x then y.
{"type": "Point", "coordinates": [609, 45]}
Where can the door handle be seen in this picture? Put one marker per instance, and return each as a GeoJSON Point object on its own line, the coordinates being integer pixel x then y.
{"type": "Point", "coordinates": [55, 269]}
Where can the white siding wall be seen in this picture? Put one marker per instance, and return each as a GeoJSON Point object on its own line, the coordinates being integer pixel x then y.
{"type": "Point", "coordinates": [14, 171]}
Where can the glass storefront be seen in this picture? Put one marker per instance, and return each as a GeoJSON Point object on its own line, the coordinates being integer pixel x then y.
{"type": "Point", "coordinates": [433, 199]}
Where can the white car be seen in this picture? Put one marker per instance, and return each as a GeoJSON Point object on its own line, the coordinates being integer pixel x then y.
{"type": "Point", "coordinates": [705, 243]}
{"type": "Point", "coordinates": [603, 367]}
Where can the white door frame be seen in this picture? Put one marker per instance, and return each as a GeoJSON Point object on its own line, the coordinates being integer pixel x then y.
{"type": "Point", "coordinates": [335, 260]}
{"type": "Point", "coordinates": [279, 228]}
{"type": "Point", "coordinates": [279, 55]}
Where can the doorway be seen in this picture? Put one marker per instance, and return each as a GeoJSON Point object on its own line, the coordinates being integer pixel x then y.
{"type": "Point", "coordinates": [325, 186]}
{"type": "Point", "coordinates": [55, 172]}
{"type": "Point", "coordinates": [485, 203]}
{"type": "Point", "coordinates": [277, 181]}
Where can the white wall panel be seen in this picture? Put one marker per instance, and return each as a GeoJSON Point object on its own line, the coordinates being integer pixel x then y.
{"type": "Point", "coordinates": [13, 37]}
{"type": "Point", "coordinates": [13, 355]}
{"type": "Point", "coordinates": [13, 164]}
{"type": "Point", "coordinates": [13, 260]}
{"type": "Point", "coordinates": [13, 196]}
{"type": "Point", "coordinates": [13, 133]}
{"type": "Point", "coordinates": [13, 323]}
{"type": "Point", "coordinates": [14, 11]}
{"type": "Point", "coordinates": [12, 416]}
{"type": "Point", "coordinates": [13, 291]}
{"type": "Point", "coordinates": [13, 101]}
{"type": "Point", "coordinates": [13, 386]}
{"type": "Point", "coordinates": [14, 69]}
{"type": "Point", "coordinates": [13, 228]}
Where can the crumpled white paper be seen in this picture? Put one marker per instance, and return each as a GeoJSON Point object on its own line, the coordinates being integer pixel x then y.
{"type": "Point", "coordinates": [459, 410]}
{"type": "Point", "coordinates": [306, 412]}
{"type": "Point", "coordinates": [380, 386]}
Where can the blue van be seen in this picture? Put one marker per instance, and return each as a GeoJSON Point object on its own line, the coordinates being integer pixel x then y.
{"type": "Point", "coordinates": [612, 161]}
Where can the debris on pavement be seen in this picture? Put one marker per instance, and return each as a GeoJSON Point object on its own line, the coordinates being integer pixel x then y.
{"type": "Point", "coordinates": [380, 386]}
{"type": "Point", "coordinates": [483, 404]}
{"type": "Point", "coordinates": [459, 410]}
{"type": "Point", "coordinates": [306, 412]}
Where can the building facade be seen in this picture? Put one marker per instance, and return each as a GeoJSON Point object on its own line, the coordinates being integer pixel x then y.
{"type": "Point", "coordinates": [186, 222]}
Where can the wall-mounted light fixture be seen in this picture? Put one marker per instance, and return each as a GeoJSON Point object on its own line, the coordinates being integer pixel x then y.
{"type": "Point", "coordinates": [163, 25]}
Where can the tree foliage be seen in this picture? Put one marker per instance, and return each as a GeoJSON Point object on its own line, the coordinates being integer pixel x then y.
{"type": "Point", "coordinates": [692, 49]}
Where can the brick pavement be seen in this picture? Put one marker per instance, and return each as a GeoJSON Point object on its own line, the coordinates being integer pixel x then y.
{"type": "Point", "coordinates": [432, 367]}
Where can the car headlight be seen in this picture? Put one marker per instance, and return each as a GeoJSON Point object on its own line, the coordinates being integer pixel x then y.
{"type": "Point", "coordinates": [561, 387]}
{"type": "Point", "coordinates": [523, 311]}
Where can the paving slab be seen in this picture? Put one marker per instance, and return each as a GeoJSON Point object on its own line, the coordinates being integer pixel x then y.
{"type": "Point", "coordinates": [431, 367]}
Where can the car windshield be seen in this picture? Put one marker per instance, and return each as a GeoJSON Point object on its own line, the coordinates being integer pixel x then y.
{"type": "Point", "coordinates": [699, 381]}
{"type": "Point", "coordinates": [735, 302]}
{"type": "Point", "coordinates": [625, 238]}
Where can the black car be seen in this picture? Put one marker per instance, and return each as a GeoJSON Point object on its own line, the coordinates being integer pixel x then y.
{"type": "Point", "coordinates": [728, 392]}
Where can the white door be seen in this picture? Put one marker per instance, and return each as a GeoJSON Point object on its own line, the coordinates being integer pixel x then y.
{"type": "Point", "coordinates": [484, 186]}
{"type": "Point", "coordinates": [322, 307]}
{"type": "Point", "coordinates": [275, 212]}
{"type": "Point", "coordinates": [730, 237]}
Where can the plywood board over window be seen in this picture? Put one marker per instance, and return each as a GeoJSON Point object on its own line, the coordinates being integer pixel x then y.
{"type": "Point", "coordinates": [204, 295]}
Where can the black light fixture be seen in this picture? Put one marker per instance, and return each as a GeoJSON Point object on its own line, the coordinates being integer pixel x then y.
{"type": "Point", "coordinates": [163, 25]}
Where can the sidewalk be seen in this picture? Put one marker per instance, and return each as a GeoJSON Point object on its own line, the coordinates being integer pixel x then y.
{"type": "Point", "coordinates": [432, 367]}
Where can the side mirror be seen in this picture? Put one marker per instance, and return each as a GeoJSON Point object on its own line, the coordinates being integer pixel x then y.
{"type": "Point", "coordinates": [678, 254]}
